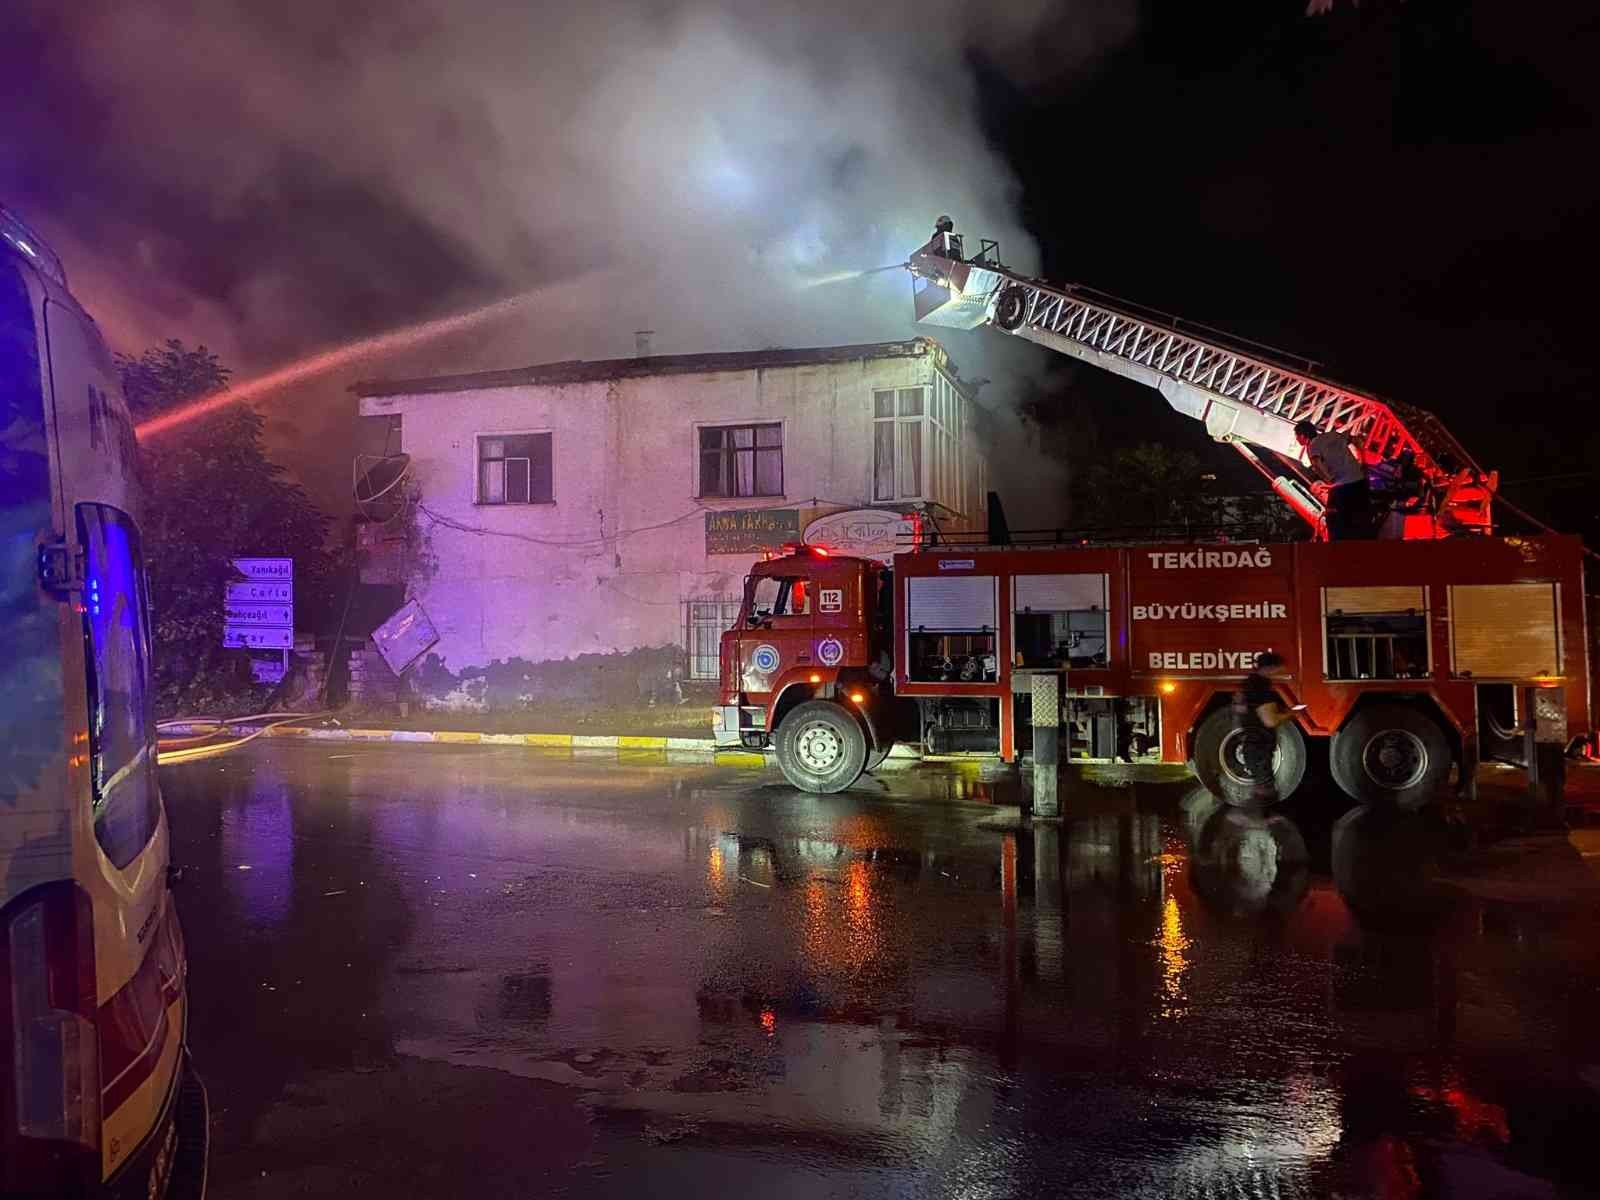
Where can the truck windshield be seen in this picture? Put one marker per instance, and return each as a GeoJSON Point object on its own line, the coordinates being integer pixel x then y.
{"type": "Point", "coordinates": [777, 596]}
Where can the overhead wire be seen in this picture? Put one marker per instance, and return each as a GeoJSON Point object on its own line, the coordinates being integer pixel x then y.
{"type": "Point", "coordinates": [1538, 524]}
{"type": "Point", "coordinates": [553, 543]}
{"type": "Point", "coordinates": [1548, 478]}
{"type": "Point", "coordinates": [602, 539]}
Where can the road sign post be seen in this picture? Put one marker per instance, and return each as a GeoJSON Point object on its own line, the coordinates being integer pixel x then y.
{"type": "Point", "coordinates": [258, 608]}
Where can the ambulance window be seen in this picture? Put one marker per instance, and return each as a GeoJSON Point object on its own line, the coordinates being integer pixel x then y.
{"type": "Point", "coordinates": [30, 713]}
{"type": "Point", "coordinates": [122, 753]}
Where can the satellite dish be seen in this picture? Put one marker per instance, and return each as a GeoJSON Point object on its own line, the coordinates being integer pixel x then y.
{"type": "Point", "coordinates": [378, 491]}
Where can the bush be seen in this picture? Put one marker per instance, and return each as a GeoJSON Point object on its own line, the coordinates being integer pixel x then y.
{"type": "Point", "coordinates": [212, 495]}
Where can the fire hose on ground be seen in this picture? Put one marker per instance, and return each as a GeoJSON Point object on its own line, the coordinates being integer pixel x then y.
{"type": "Point", "coordinates": [183, 749]}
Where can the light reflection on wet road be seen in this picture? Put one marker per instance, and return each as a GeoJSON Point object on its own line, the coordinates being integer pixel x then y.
{"type": "Point", "coordinates": [479, 972]}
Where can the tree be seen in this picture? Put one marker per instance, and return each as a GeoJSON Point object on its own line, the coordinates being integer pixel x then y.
{"type": "Point", "coordinates": [1147, 486]}
{"type": "Point", "coordinates": [1153, 490]}
{"type": "Point", "coordinates": [212, 495]}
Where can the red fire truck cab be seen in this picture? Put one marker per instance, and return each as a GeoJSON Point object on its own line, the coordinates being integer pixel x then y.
{"type": "Point", "coordinates": [1409, 658]}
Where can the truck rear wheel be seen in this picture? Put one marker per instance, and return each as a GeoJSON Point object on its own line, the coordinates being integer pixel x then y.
{"type": "Point", "coordinates": [821, 747]}
{"type": "Point", "coordinates": [1390, 754]}
{"type": "Point", "coordinates": [1226, 773]}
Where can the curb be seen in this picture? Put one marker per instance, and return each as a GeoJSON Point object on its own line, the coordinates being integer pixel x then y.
{"type": "Point", "coordinates": [669, 749]}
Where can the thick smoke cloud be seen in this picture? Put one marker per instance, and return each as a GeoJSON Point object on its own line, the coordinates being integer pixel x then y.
{"type": "Point", "coordinates": [274, 178]}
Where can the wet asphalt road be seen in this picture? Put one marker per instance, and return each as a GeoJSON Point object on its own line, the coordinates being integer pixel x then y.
{"type": "Point", "coordinates": [434, 971]}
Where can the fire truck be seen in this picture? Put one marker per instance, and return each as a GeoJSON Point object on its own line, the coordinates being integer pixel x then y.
{"type": "Point", "coordinates": [1407, 657]}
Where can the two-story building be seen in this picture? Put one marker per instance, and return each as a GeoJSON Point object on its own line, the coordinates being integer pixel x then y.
{"type": "Point", "coordinates": [582, 508]}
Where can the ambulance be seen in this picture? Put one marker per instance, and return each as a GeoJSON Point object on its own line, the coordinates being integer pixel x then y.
{"type": "Point", "coordinates": [97, 1094]}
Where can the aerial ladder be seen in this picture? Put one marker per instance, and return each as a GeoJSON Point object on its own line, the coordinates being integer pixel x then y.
{"type": "Point", "coordinates": [1247, 396]}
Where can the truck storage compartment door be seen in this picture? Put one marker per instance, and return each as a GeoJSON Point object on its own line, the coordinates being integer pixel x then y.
{"type": "Point", "coordinates": [1376, 632]}
{"type": "Point", "coordinates": [958, 604]}
{"type": "Point", "coordinates": [1060, 620]}
{"type": "Point", "coordinates": [1060, 593]}
{"type": "Point", "coordinates": [950, 629]}
{"type": "Point", "coordinates": [1504, 631]}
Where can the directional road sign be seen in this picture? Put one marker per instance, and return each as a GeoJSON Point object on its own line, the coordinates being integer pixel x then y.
{"type": "Point", "coordinates": [258, 611]}
{"type": "Point", "coordinates": [237, 636]}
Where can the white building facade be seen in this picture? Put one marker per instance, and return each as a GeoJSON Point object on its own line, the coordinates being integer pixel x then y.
{"type": "Point", "coordinates": [609, 507]}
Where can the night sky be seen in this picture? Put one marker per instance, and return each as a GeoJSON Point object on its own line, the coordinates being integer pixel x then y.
{"type": "Point", "coordinates": [1403, 191]}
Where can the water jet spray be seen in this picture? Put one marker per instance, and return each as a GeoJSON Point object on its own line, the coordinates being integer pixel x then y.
{"type": "Point", "coordinates": [847, 276]}
{"type": "Point", "coordinates": [327, 360]}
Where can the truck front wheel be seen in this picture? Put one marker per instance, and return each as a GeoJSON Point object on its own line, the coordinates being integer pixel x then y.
{"type": "Point", "coordinates": [821, 747]}
{"type": "Point", "coordinates": [1390, 754]}
{"type": "Point", "coordinates": [1228, 774]}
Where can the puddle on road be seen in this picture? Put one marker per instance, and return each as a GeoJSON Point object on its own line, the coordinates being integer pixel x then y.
{"type": "Point", "coordinates": [1159, 990]}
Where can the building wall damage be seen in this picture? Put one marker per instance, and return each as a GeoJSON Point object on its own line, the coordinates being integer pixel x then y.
{"type": "Point", "coordinates": [584, 528]}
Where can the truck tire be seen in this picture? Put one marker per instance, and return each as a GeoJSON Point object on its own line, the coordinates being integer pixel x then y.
{"type": "Point", "coordinates": [1390, 754]}
{"type": "Point", "coordinates": [876, 757]}
{"type": "Point", "coordinates": [821, 747]}
{"type": "Point", "coordinates": [1217, 763]}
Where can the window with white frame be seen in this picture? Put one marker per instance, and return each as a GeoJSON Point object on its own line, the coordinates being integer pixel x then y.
{"type": "Point", "coordinates": [944, 445]}
{"type": "Point", "coordinates": [515, 468]}
{"type": "Point", "coordinates": [897, 444]}
{"type": "Point", "coordinates": [741, 460]}
{"type": "Point", "coordinates": [976, 489]}
{"type": "Point", "coordinates": [917, 445]}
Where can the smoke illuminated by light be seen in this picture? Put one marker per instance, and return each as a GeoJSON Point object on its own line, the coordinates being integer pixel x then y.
{"type": "Point", "coordinates": [704, 170]}
{"type": "Point", "coordinates": [407, 338]}
{"type": "Point", "coordinates": [312, 365]}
